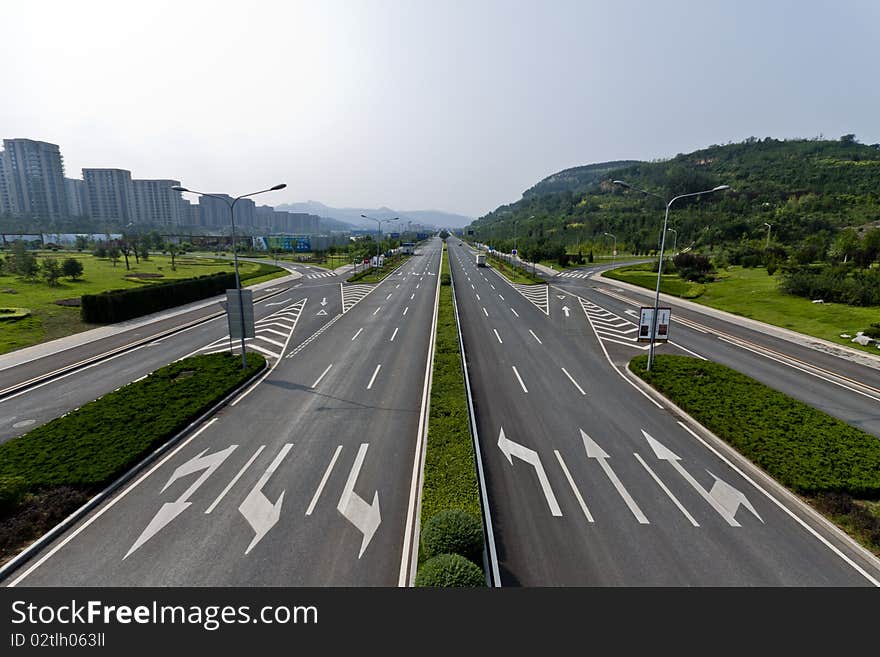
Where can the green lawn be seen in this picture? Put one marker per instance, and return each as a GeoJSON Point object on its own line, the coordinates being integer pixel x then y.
{"type": "Point", "coordinates": [376, 274]}
{"type": "Point", "coordinates": [49, 320]}
{"type": "Point", "coordinates": [514, 274]}
{"type": "Point", "coordinates": [752, 293]}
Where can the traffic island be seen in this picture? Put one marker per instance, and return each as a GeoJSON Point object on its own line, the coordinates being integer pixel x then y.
{"type": "Point", "coordinates": [830, 464]}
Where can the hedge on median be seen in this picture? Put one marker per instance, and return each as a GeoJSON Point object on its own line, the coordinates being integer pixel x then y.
{"type": "Point", "coordinates": [803, 448]}
{"type": "Point", "coordinates": [118, 305]}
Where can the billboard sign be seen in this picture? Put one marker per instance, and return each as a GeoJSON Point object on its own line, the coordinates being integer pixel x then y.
{"type": "Point", "coordinates": [395, 236]}
{"type": "Point", "coordinates": [646, 315]}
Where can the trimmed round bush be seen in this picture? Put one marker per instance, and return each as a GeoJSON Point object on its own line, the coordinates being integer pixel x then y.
{"type": "Point", "coordinates": [450, 570]}
{"type": "Point", "coordinates": [453, 531]}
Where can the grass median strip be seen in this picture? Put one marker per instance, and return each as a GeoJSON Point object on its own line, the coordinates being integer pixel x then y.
{"type": "Point", "coordinates": [48, 472]}
{"type": "Point", "coordinates": [834, 465]}
{"type": "Point", "coordinates": [450, 508]}
{"type": "Point", "coordinates": [376, 274]}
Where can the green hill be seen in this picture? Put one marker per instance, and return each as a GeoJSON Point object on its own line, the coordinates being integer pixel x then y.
{"type": "Point", "coordinates": [808, 189]}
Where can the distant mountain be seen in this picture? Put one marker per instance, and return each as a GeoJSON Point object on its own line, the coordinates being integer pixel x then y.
{"type": "Point", "coordinates": [351, 217]}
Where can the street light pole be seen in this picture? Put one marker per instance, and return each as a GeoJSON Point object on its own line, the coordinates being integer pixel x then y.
{"type": "Point", "coordinates": [614, 252]}
{"type": "Point", "coordinates": [235, 251]}
{"type": "Point", "coordinates": [379, 222]}
{"type": "Point", "coordinates": [674, 241]}
{"type": "Point", "coordinates": [669, 203]}
{"type": "Point", "coordinates": [769, 228]}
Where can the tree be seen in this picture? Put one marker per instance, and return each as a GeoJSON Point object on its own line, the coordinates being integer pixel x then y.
{"type": "Point", "coordinates": [23, 262]}
{"type": "Point", "coordinates": [72, 268]}
{"type": "Point", "coordinates": [51, 271]}
{"type": "Point", "coordinates": [590, 256]}
{"type": "Point", "coordinates": [144, 247]}
{"type": "Point", "coordinates": [156, 241]}
{"type": "Point", "coordinates": [125, 248]}
{"type": "Point", "coordinates": [82, 243]}
{"type": "Point", "coordinates": [173, 250]}
{"type": "Point", "coordinates": [113, 253]}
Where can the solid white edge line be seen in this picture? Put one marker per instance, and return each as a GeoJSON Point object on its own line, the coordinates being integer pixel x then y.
{"type": "Point", "coordinates": [574, 488]}
{"type": "Point", "coordinates": [565, 371]}
{"type": "Point", "coordinates": [409, 552]}
{"type": "Point", "coordinates": [323, 481]}
{"type": "Point", "coordinates": [519, 378]}
{"type": "Point", "coordinates": [234, 479]}
{"type": "Point", "coordinates": [110, 504]}
{"type": "Point", "coordinates": [323, 374]}
{"type": "Point", "coordinates": [667, 491]}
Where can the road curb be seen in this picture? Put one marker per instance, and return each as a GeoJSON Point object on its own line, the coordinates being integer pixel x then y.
{"type": "Point", "coordinates": [30, 551]}
{"type": "Point", "coordinates": [800, 339]}
{"type": "Point", "coordinates": [782, 493]}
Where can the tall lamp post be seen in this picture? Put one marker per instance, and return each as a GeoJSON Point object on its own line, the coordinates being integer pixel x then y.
{"type": "Point", "coordinates": [614, 252]}
{"type": "Point", "coordinates": [769, 228]}
{"type": "Point", "coordinates": [379, 222]}
{"type": "Point", "coordinates": [231, 205]}
{"type": "Point", "coordinates": [668, 203]}
{"type": "Point", "coordinates": [674, 241]}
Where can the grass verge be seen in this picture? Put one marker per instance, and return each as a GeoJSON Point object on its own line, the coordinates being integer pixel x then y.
{"type": "Point", "coordinates": [450, 478]}
{"type": "Point", "coordinates": [515, 274]}
{"type": "Point", "coordinates": [376, 274]}
{"type": "Point", "coordinates": [47, 473]}
{"type": "Point", "coordinates": [834, 465]}
{"type": "Point", "coordinates": [753, 293]}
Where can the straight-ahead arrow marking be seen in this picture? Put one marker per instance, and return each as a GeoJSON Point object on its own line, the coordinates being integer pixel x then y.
{"type": "Point", "coordinates": [565, 310]}
{"type": "Point", "coordinates": [256, 508]}
{"type": "Point", "coordinates": [366, 517]}
{"type": "Point", "coordinates": [170, 510]}
{"type": "Point", "coordinates": [595, 452]}
{"type": "Point", "coordinates": [324, 301]}
{"type": "Point", "coordinates": [530, 456]}
{"type": "Point", "coordinates": [665, 454]}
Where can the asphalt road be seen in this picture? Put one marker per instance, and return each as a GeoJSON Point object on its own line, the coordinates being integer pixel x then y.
{"type": "Point", "coordinates": [306, 479]}
{"type": "Point", "coordinates": [593, 483]}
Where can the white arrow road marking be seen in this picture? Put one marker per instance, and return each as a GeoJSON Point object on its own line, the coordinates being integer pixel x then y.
{"type": "Point", "coordinates": [667, 491]}
{"type": "Point", "coordinates": [530, 456]}
{"type": "Point", "coordinates": [565, 310]}
{"type": "Point", "coordinates": [324, 301]}
{"type": "Point", "coordinates": [574, 488]}
{"type": "Point", "coordinates": [256, 508]}
{"type": "Point", "coordinates": [235, 479]}
{"type": "Point", "coordinates": [596, 452]}
{"type": "Point", "coordinates": [366, 517]}
{"type": "Point", "coordinates": [560, 296]}
{"type": "Point", "coordinates": [170, 510]}
{"type": "Point", "coordinates": [665, 454]}
{"type": "Point", "coordinates": [730, 498]}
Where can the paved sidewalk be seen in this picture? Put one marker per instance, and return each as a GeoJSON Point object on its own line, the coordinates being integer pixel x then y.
{"type": "Point", "coordinates": [34, 352]}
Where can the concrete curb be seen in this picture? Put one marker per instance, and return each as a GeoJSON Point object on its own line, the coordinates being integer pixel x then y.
{"type": "Point", "coordinates": [30, 551]}
{"type": "Point", "coordinates": [801, 339]}
{"type": "Point", "coordinates": [782, 493]}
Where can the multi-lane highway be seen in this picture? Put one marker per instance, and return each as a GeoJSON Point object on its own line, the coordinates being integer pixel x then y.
{"type": "Point", "coordinates": [307, 478]}
{"type": "Point", "coordinates": [592, 481]}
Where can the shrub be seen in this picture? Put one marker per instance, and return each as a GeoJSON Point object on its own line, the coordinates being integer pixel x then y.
{"type": "Point", "coordinates": [450, 570]}
{"type": "Point", "coordinates": [873, 331]}
{"type": "Point", "coordinates": [100, 251]}
{"type": "Point", "coordinates": [12, 491]}
{"type": "Point", "coordinates": [72, 268]}
{"type": "Point", "coordinates": [50, 270]}
{"type": "Point", "coordinates": [453, 531]}
{"type": "Point", "coordinates": [692, 266]}
{"type": "Point", "coordinates": [445, 279]}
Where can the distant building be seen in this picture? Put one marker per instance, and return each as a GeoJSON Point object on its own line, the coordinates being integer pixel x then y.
{"type": "Point", "coordinates": [157, 204]}
{"type": "Point", "coordinates": [214, 211]}
{"type": "Point", "coordinates": [110, 194]}
{"type": "Point", "coordinates": [190, 214]}
{"type": "Point", "coordinates": [32, 180]}
{"type": "Point", "coordinates": [76, 197]}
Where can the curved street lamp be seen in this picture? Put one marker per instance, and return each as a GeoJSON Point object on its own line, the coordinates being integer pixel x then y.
{"type": "Point", "coordinates": [614, 252]}
{"type": "Point", "coordinates": [231, 206]}
{"type": "Point", "coordinates": [626, 185]}
{"type": "Point", "coordinates": [379, 222]}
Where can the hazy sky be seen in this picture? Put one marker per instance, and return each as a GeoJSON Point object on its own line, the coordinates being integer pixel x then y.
{"type": "Point", "coordinates": [443, 104]}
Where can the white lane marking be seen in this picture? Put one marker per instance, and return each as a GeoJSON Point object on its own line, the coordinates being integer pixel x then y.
{"type": "Point", "coordinates": [594, 451]}
{"type": "Point", "coordinates": [565, 371]}
{"type": "Point", "coordinates": [693, 353]}
{"type": "Point", "coordinates": [323, 481]}
{"type": "Point", "coordinates": [373, 378]}
{"type": "Point", "coordinates": [667, 491]}
{"type": "Point", "coordinates": [397, 286]}
{"type": "Point", "coordinates": [323, 374]}
{"type": "Point", "coordinates": [413, 296]}
{"type": "Point", "coordinates": [394, 334]}
{"type": "Point", "coordinates": [514, 312]}
{"type": "Point", "coordinates": [263, 329]}
{"type": "Point", "coordinates": [110, 504]}
{"type": "Point", "coordinates": [377, 310]}
{"type": "Point", "coordinates": [472, 287]}
{"type": "Point", "coordinates": [535, 336]}
{"type": "Point", "coordinates": [478, 296]}
{"type": "Point", "coordinates": [782, 506]}
{"type": "Point", "coordinates": [574, 488]}
{"type": "Point", "coordinates": [235, 479]}
{"type": "Point", "coordinates": [406, 310]}
{"type": "Point", "coordinates": [492, 286]}
{"type": "Point", "coordinates": [498, 336]}
{"type": "Point", "coordinates": [519, 378]}
{"type": "Point", "coordinates": [264, 351]}
{"type": "Point", "coordinates": [389, 296]}
{"type": "Point", "coordinates": [485, 311]}
{"type": "Point", "coordinates": [354, 337]}
{"type": "Point", "coordinates": [501, 297]}
{"type": "Point", "coordinates": [417, 285]}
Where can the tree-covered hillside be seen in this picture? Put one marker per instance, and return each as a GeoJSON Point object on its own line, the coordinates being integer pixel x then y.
{"type": "Point", "coordinates": [807, 189]}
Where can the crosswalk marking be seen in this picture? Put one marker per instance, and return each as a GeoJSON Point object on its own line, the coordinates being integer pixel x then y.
{"type": "Point", "coordinates": [577, 273]}
{"type": "Point", "coordinates": [326, 274]}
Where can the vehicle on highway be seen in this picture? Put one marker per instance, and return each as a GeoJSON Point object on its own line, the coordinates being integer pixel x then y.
{"type": "Point", "coordinates": [481, 260]}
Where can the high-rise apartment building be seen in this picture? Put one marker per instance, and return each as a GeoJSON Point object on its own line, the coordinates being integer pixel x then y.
{"type": "Point", "coordinates": [32, 180]}
{"type": "Point", "coordinates": [110, 194]}
{"type": "Point", "coordinates": [156, 203]}
{"type": "Point", "coordinates": [214, 212]}
{"type": "Point", "coordinates": [76, 197]}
